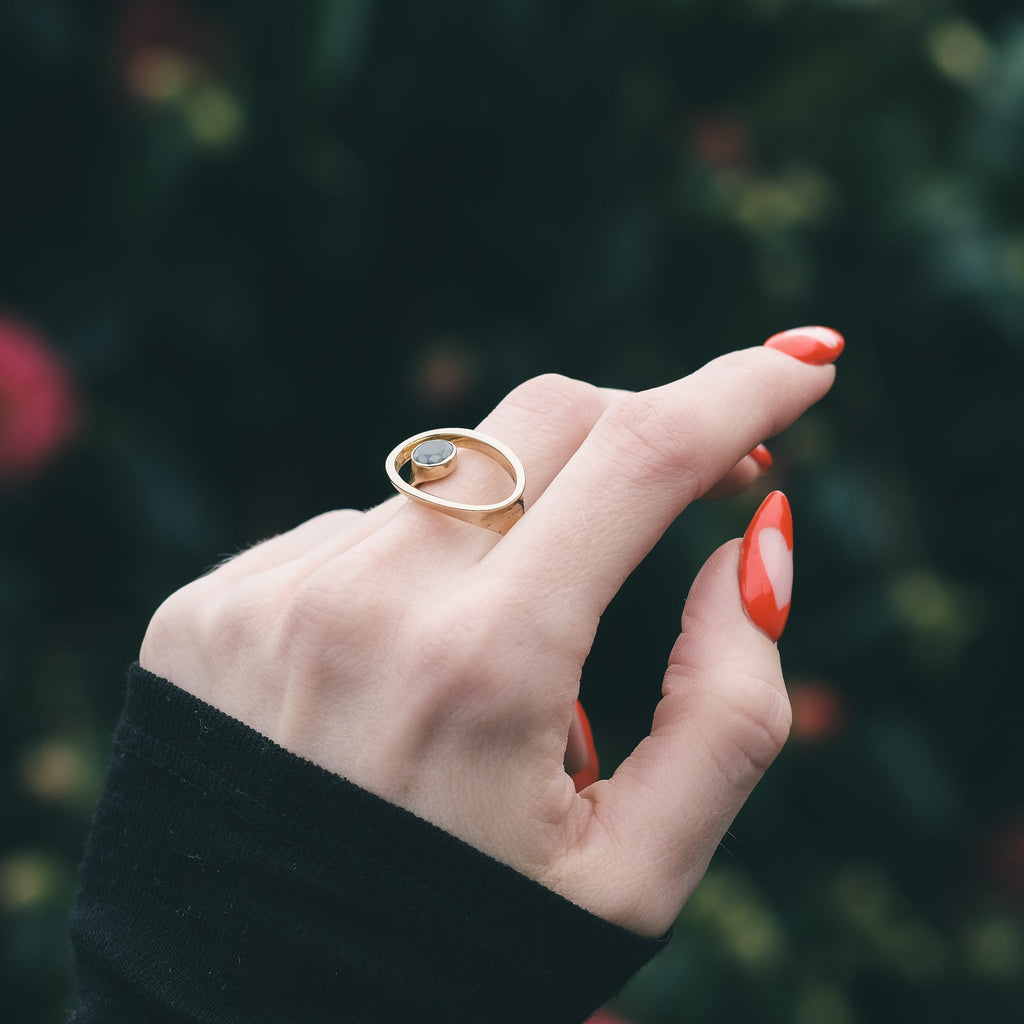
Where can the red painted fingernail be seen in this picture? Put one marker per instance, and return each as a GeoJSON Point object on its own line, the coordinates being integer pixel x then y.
{"type": "Point", "coordinates": [766, 565]}
{"type": "Point", "coordinates": [591, 771]}
{"type": "Point", "coordinates": [815, 345]}
{"type": "Point", "coordinates": [762, 457]}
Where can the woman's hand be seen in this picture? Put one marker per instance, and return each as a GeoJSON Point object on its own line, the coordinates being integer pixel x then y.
{"type": "Point", "coordinates": [437, 664]}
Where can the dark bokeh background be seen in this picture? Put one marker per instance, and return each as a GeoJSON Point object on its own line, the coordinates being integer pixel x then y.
{"type": "Point", "coordinates": [247, 246]}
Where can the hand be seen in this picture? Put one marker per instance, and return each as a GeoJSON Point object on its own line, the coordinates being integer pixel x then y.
{"type": "Point", "coordinates": [437, 664]}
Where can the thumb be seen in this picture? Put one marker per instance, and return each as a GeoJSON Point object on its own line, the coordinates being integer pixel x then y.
{"type": "Point", "coordinates": [723, 717]}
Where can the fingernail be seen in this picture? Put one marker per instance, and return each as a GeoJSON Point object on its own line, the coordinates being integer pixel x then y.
{"type": "Point", "coordinates": [591, 771]}
{"type": "Point", "coordinates": [766, 565]}
{"type": "Point", "coordinates": [762, 457]}
{"type": "Point", "coordinates": [815, 345]}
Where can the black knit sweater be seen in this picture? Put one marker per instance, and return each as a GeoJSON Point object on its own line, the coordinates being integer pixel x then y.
{"type": "Point", "coordinates": [228, 880]}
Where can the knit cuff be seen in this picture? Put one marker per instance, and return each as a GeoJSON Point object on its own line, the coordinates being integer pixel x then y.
{"type": "Point", "coordinates": [227, 879]}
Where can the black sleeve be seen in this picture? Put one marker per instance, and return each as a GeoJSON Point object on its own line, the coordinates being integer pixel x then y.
{"type": "Point", "coordinates": [228, 880]}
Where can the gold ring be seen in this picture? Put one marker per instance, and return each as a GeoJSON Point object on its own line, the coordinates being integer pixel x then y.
{"type": "Point", "coordinates": [434, 454]}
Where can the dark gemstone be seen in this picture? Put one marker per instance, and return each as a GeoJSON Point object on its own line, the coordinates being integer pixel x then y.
{"type": "Point", "coordinates": [432, 453]}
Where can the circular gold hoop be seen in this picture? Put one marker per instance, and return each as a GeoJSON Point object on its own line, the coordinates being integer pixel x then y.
{"type": "Point", "coordinates": [499, 517]}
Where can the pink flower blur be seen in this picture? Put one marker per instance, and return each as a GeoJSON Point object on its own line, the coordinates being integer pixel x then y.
{"type": "Point", "coordinates": [38, 411]}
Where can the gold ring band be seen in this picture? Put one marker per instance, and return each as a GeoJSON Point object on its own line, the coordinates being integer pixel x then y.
{"type": "Point", "coordinates": [434, 454]}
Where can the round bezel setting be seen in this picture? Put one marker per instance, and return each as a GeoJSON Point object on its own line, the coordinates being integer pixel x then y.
{"type": "Point", "coordinates": [433, 453]}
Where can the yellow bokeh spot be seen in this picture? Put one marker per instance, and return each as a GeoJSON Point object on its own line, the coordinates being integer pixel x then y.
{"type": "Point", "coordinates": [214, 116]}
{"type": "Point", "coordinates": [53, 771]}
{"type": "Point", "coordinates": [728, 906]}
{"type": "Point", "coordinates": [26, 878]}
{"type": "Point", "coordinates": [939, 617]}
{"type": "Point", "coordinates": [799, 197]}
{"type": "Point", "coordinates": [959, 50]}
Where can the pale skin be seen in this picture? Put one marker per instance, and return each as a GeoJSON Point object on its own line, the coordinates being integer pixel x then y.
{"type": "Point", "coordinates": [437, 664]}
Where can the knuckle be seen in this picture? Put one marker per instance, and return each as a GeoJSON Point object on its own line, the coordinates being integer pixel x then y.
{"type": "Point", "coordinates": [181, 617]}
{"type": "Point", "coordinates": [468, 667]}
{"type": "Point", "coordinates": [759, 722]}
{"type": "Point", "coordinates": [243, 617]}
{"type": "Point", "coordinates": [570, 405]}
{"type": "Point", "coordinates": [339, 605]}
{"type": "Point", "coordinates": [655, 437]}
{"type": "Point", "coordinates": [454, 645]}
{"type": "Point", "coordinates": [539, 393]}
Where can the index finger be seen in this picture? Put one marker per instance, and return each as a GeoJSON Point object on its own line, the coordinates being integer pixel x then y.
{"type": "Point", "coordinates": [648, 456]}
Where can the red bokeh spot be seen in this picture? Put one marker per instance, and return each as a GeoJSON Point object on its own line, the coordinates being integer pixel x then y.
{"type": "Point", "coordinates": [160, 41]}
{"type": "Point", "coordinates": [819, 713]}
{"type": "Point", "coordinates": [722, 142]}
{"type": "Point", "coordinates": [38, 410]}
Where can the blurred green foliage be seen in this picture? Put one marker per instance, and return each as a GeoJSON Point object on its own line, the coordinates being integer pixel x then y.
{"type": "Point", "coordinates": [268, 240]}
